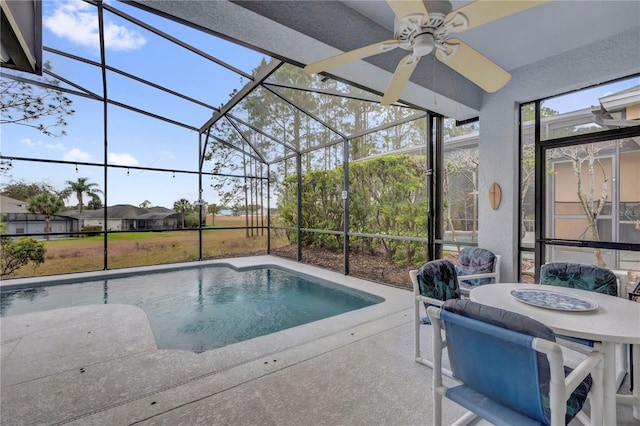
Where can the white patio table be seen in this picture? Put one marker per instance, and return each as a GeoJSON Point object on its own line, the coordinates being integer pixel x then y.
{"type": "Point", "coordinates": [615, 320]}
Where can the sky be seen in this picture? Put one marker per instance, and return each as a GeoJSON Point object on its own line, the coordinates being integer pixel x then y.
{"type": "Point", "coordinates": [135, 139]}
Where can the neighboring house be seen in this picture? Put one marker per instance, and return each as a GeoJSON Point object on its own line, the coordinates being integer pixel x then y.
{"type": "Point", "coordinates": [121, 217]}
{"type": "Point", "coordinates": [124, 217]}
{"type": "Point", "coordinates": [20, 221]}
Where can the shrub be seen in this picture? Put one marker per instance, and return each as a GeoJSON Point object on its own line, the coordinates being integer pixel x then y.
{"type": "Point", "coordinates": [20, 252]}
{"type": "Point", "coordinates": [92, 230]}
{"type": "Point", "coordinates": [192, 220]}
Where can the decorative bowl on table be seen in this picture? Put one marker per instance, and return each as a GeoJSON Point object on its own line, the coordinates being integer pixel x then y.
{"type": "Point", "coordinates": [550, 299]}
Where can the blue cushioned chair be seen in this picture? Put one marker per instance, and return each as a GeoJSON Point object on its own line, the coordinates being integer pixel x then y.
{"type": "Point", "coordinates": [580, 276]}
{"type": "Point", "coordinates": [590, 278]}
{"type": "Point", "coordinates": [433, 283]}
{"type": "Point", "coordinates": [510, 368]}
{"type": "Point", "coordinates": [477, 266]}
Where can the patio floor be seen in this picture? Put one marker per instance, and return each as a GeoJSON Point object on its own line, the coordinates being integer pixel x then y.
{"type": "Point", "coordinates": [100, 365]}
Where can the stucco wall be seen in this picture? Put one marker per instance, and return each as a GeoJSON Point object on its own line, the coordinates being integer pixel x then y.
{"type": "Point", "coordinates": [599, 62]}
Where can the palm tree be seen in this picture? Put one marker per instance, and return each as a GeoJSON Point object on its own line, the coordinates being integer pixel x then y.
{"type": "Point", "coordinates": [48, 204]}
{"type": "Point", "coordinates": [182, 206]}
{"type": "Point", "coordinates": [80, 187]}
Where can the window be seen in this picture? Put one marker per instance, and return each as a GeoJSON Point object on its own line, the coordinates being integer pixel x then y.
{"type": "Point", "coordinates": [584, 203]}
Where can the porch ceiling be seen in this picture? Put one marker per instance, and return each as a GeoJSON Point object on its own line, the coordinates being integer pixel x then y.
{"type": "Point", "coordinates": [306, 31]}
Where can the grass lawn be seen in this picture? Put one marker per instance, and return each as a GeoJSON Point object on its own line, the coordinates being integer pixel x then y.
{"type": "Point", "coordinates": [151, 248]}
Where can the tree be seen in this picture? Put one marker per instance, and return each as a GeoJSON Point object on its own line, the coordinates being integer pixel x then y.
{"type": "Point", "coordinates": [40, 108]}
{"type": "Point", "coordinates": [528, 163]}
{"type": "Point", "coordinates": [22, 190]}
{"type": "Point", "coordinates": [448, 170]}
{"type": "Point", "coordinates": [5, 168]}
{"type": "Point", "coordinates": [95, 203]}
{"type": "Point", "coordinates": [145, 204]}
{"type": "Point", "coordinates": [462, 163]}
{"type": "Point", "coordinates": [16, 253]}
{"type": "Point", "coordinates": [47, 204]}
{"type": "Point", "coordinates": [213, 210]}
{"type": "Point", "coordinates": [528, 174]}
{"type": "Point", "coordinates": [80, 187]}
{"type": "Point", "coordinates": [592, 195]}
{"type": "Point", "coordinates": [182, 206]}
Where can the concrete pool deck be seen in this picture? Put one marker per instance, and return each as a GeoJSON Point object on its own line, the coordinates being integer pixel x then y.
{"type": "Point", "coordinates": [100, 365]}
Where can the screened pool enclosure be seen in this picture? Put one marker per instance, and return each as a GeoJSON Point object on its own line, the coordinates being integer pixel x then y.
{"type": "Point", "coordinates": [287, 163]}
{"type": "Point", "coordinates": [146, 141]}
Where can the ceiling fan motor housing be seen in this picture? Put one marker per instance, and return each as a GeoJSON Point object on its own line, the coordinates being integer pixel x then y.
{"type": "Point", "coordinates": [420, 36]}
{"type": "Point", "coordinates": [422, 26]}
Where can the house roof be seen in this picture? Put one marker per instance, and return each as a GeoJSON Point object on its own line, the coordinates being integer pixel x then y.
{"type": "Point", "coordinates": [21, 43]}
{"type": "Point", "coordinates": [11, 205]}
{"type": "Point", "coordinates": [624, 98]}
{"type": "Point", "coordinates": [124, 211]}
{"type": "Point", "coordinates": [118, 211]}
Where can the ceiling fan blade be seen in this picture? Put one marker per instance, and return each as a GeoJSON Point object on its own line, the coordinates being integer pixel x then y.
{"type": "Point", "coordinates": [480, 12]}
{"type": "Point", "coordinates": [399, 80]}
{"type": "Point", "coordinates": [403, 8]}
{"type": "Point", "coordinates": [473, 65]}
{"type": "Point", "coordinates": [352, 55]}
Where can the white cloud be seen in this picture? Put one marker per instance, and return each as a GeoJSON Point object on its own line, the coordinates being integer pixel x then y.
{"type": "Point", "coordinates": [78, 21]}
{"type": "Point", "coordinates": [121, 159]}
{"type": "Point", "coordinates": [39, 144]}
{"type": "Point", "coordinates": [117, 37]}
{"type": "Point", "coordinates": [57, 146]}
{"type": "Point", "coordinates": [28, 142]}
{"type": "Point", "coordinates": [76, 154]}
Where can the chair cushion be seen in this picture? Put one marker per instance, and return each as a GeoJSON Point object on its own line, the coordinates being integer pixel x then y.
{"type": "Point", "coordinates": [474, 260]}
{"type": "Point", "coordinates": [437, 279]}
{"type": "Point", "coordinates": [500, 317]}
{"type": "Point", "coordinates": [525, 325]}
{"type": "Point", "coordinates": [580, 276]}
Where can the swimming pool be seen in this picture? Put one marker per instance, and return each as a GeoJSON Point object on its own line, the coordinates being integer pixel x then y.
{"type": "Point", "coordinates": [203, 308]}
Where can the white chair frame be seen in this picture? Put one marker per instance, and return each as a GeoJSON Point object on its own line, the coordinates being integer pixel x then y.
{"type": "Point", "coordinates": [560, 387]}
{"type": "Point", "coordinates": [419, 299]}
{"type": "Point", "coordinates": [494, 275]}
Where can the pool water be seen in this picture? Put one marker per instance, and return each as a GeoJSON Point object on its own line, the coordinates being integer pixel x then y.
{"type": "Point", "coordinates": [203, 308]}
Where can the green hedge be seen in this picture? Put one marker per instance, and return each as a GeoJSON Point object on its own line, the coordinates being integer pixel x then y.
{"type": "Point", "coordinates": [387, 195]}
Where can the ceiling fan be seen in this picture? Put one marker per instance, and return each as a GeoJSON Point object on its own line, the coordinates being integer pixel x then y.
{"type": "Point", "coordinates": [422, 31]}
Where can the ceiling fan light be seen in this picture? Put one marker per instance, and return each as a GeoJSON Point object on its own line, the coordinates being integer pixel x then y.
{"type": "Point", "coordinates": [423, 44]}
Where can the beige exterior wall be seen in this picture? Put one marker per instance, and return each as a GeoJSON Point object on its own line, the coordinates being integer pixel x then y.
{"type": "Point", "coordinates": [633, 112]}
{"type": "Point", "coordinates": [630, 176]}
{"type": "Point", "coordinates": [566, 198]}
